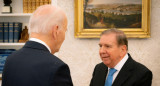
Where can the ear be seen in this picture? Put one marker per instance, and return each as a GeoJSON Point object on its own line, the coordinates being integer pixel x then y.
{"type": "Point", "coordinates": [54, 31]}
{"type": "Point", "coordinates": [123, 50]}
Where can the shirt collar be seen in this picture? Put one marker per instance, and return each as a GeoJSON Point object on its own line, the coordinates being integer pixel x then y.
{"type": "Point", "coordinates": [40, 41]}
{"type": "Point", "coordinates": [121, 63]}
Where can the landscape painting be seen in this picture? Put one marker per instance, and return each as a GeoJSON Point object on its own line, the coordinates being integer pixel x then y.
{"type": "Point", "coordinates": [100, 14]}
{"type": "Point", "coordinates": [92, 17]}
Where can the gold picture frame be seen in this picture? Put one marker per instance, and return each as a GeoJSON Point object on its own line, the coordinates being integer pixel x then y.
{"type": "Point", "coordinates": [142, 32]}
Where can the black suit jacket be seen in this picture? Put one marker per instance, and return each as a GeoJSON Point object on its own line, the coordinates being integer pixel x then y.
{"type": "Point", "coordinates": [131, 74]}
{"type": "Point", "coordinates": [34, 65]}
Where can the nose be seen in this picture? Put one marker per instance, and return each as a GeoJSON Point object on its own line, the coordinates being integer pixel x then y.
{"type": "Point", "coordinates": [102, 50]}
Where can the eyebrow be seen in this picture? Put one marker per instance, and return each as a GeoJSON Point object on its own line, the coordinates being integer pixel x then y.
{"type": "Point", "coordinates": [105, 44]}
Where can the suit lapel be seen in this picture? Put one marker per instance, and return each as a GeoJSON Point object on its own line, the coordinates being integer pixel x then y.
{"type": "Point", "coordinates": [99, 75]}
{"type": "Point", "coordinates": [103, 74]}
{"type": "Point", "coordinates": [124, 73]}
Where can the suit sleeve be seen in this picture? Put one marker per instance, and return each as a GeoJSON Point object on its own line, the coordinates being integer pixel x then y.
{"type": "Point", "coordinates": [62, 76]}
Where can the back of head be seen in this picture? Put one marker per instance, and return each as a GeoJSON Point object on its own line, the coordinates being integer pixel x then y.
{"type": "Point", "coordinates": [45, 17]}
{"type": "Point", "coordinates": [120, 36]}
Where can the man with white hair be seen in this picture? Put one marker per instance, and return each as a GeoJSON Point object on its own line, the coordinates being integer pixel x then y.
{"type": "Point", "coordinates": [35, 64]}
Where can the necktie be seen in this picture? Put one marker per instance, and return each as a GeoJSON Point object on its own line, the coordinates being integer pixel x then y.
{"type": "Point", "coordinates": [110, 77]}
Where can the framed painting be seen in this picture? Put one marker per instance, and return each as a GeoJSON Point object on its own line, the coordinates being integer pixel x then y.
{"type": "Point", "coordinates": [94, 16]}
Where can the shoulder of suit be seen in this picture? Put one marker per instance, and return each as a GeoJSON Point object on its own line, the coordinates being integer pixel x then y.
{"type": "Point", "coordinates": [136, 65]}
{"type": "Point", "coordinates": [54, 59]}
{"type": "Point", "coordinates": [140, 67]}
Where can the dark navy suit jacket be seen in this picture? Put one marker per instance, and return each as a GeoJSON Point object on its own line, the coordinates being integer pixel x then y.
{"type": "Point", "coordinates": [34, 65]}
{"type": "Point", "coordinates": [131, 74]}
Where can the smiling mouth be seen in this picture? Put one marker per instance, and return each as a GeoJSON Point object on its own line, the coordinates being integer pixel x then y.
{"type": "Point", "coordinates": [105, 56]}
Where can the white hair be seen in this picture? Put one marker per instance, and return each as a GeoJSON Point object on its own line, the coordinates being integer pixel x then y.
{"type": "Point", "coordinates": [39, 23]}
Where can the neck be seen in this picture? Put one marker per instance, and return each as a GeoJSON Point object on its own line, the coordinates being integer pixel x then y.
{"type": "Point", "coordinates": [118, 60]}
{"type": "Point", "coordinates": [46, 39]}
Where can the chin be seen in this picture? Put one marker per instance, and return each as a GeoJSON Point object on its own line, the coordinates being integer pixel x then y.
{"type": "Point", "coordinates": [57, 50]}
{"type": "Point", "coordinates": [106, 63]}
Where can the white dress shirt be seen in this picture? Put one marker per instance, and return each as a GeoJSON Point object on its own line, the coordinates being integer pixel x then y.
{"type": "Point", "coordinates": [118, 67]}
{"type": "Point", "coordinates": [40, 41]}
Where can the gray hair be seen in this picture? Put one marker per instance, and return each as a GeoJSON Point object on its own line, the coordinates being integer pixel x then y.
{"type": "Point", "coordinates": [39, 23]}
{"type": "Point", "coordinates": [120, 36]}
